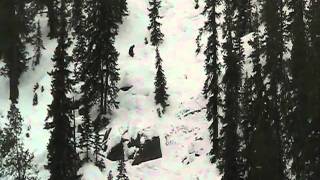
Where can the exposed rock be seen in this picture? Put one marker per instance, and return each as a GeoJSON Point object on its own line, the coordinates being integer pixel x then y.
{"type": "Point", "coordinates": [116, 153]}
{"type": "Point", "coordinates": [140, 149]}
{"type": "Point", "coordinates": [150, 150]}
{"type": "Point", "coordinates": [126, 88]}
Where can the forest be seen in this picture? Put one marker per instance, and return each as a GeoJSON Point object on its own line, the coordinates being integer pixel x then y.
{"type": "Point", "coordinates": [160, 89]}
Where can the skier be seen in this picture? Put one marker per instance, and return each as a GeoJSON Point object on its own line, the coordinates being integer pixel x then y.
{"type": "Point", "coordinates": [131, 53]}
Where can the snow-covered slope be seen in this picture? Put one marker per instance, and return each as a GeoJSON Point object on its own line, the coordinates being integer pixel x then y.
{"type": "Point", "coordinates": [180, 136]}
{"type": "Point", "coordinates": [184, 135]}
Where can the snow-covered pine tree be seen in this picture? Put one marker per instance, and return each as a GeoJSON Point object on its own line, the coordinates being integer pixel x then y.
{"type": "Point", "coordinates": [38, 46]}
{"type": "Point", "coordinates": [156, 36]}
{"type": "Point", "coordinates": [212, 89]}
{"type": "Point", "coordinates": [122, 171]}
{"type": "Point", "coordinates": [63, 161]}
{"type": "Point", "coordinates": [17, 161]}
{"type": "Point", "coordinates": [161, 96]}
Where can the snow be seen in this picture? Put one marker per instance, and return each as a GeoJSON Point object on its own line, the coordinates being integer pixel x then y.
{"type": "Point", "coordinates": [184, 139]}
{"type": "Point", "coordinates": [90, 172]}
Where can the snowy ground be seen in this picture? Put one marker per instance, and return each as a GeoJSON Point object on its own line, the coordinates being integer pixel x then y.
{"type": "Point", "coordinates": [184, 140]}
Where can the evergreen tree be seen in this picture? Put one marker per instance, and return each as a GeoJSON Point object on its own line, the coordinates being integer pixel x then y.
{"type": "Point", "coordinates": [156, 37]}
{"type": "Point", "coordinates": [122, 171]}
{"type": "Point", "coordinates": [299, 119]}
{"type": "Point", "coordinates": [3, 151]}
{"type": "Point", "coordinates": [312, 157]}
{"type": "Point", "coordinates": [26, 11]}
{"type": "Point", "coordinates": [79, 54]}
{"type": "Point", "coordinates": [98, 147]}
{"type": "Point", "coordinates": [86, 141]}
{"type": "Point", "coordinates": [53, 20]}
{"type": "Point", "coordinates": [256, 156]}
{"type": "Point", "coordinates": [247, 126]}
{"type": "Point", "coordinates": [121, 10]}
{"type": "Point", "coordinates": [233, 57]}
{"type": "Point", "coordinates": [96, 61]}
{"type": "Point", "coordinates": [101, 58]}
{"type": "Point", "coordinates": [16, 24]}
{"type": "Point", "coordinates": [62, 157]}
{"type": "Point", "coordinates": [17, 162]}
{"type": "Point", "coordinates": [245, 16]}
{"type": "Point", "coordinates": [77, 14]}
{"type": "Point", "coordinates": [38, 46]}
{"type": "Point", "coordinates": [274, 75]}
{"type": "Point", "coordinates": [161, 96]}
{"type": "Point", "coordinates": [212, 87]}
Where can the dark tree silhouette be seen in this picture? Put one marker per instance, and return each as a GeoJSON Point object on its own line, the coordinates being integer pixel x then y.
{"type": "Point", "coordinates": [63, 161]}
{"type": "Point", "coordinates": [233, 57]}
{"type": "Point", "coordinates": [161, 96]}
{"type": "Point", "coordinates": [17, 161]}
{"type": "Point", "coordinates": [212, 89]}
{"type": "Point", "coordinates": [38, 46]}
{"type": "Point", "coordinates": [122, 171]}
{"type": "Point", "coordinates": [16, 24]}
{"type": "Point", "coordinates": [156, 37]}
{"type": "Point", "coordinates": [274, 76]}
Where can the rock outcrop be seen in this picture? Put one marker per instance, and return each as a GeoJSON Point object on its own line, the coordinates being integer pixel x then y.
{"type": "Point", "coordinates": [142, 148]}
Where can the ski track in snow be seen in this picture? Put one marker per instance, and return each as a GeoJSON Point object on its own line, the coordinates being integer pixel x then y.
{"type": "Point", "coordinates": [184, 140]}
